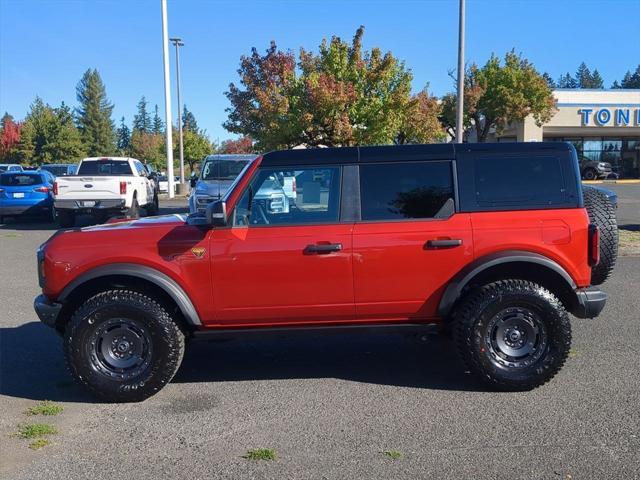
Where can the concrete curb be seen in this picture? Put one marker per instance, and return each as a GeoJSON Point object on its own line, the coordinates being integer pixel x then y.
{"type": "Point", "coordinates": [630, 181]}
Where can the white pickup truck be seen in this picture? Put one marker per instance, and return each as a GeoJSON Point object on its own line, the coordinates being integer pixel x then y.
{"type": "Point", "coordinates": [105, 186]}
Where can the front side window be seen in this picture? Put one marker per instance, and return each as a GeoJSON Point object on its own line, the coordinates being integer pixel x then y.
{"type": "Point", "coordinates": [396, 191]}
{"type": "Point", "coordinates": [282, 196]}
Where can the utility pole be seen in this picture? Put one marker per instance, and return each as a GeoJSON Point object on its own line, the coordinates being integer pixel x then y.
{"type": "Point", "coordinates": [178, 43]}
{"type": "Point", "coordinates": [167, 97]}
{"type": "Point", "coordinates": [460, 93]}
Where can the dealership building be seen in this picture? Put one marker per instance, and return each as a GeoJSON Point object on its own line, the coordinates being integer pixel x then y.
{"type": "Point", "coordinates": [603, 125]}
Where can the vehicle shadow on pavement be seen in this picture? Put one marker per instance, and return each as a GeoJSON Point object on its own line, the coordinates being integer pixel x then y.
{"type": "Point", "coordinates": [398, 359]}
{"type": "Point", "coordinates": [32, 365]}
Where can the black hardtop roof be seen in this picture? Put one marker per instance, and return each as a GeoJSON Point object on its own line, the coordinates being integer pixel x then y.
{"type": "Point", "coordinates": [399, 153]}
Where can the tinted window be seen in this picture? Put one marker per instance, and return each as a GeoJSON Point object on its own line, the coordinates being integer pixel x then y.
{"type": "Point", "coordinates": [292, 197]}
{"type": "Point", "coordinates": [3, 168]}
{"type": "Point", "coordinates": [518, 180]}
{"type": "Point", "coordinates": [57, 170]}
{"type": "Point", "coordinates": [395, 191]}
{"type": "Point", "coordinates": [105, 167]}
{"type": "Point", "coordinates": [20, 180]}
{"type": "Point", "coordinates": [222, 169]}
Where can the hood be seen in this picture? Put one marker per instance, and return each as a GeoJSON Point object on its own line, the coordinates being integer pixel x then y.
{"type": "Point", "coordinates": [118, 224]}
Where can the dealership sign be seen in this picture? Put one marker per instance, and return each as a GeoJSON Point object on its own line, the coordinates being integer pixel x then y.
{"type": "Point", "coordinates": [619, 116]}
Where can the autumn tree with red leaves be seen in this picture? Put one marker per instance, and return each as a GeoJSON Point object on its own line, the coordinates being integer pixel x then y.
{"type": "Point", "coordinates": [9, 139]}
{"type": "Point", "coordinates": [340, 96]}
{"type": "Point", "coordinates": [241, 145]}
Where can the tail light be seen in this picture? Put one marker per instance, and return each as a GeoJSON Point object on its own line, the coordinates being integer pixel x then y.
{"type": "Point", "coordinates": [41, 189]}
{"type": "Point", "coordinates": [594, 245]}
{"type": "Point", "coordinates": [55, 188]}
{"type": "Point", "coordinates": [294, 185]}
{"type": "Point", "coordinates": [123, 188]}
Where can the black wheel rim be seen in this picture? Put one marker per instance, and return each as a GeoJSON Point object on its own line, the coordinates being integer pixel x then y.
{"type": "Point", "coordinates": [516, 338]}
{"type": "Point", "coordinates": [120, 348]}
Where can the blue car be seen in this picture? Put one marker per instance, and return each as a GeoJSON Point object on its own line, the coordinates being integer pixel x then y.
{"type": "Point", "coordinates": [26, 193]}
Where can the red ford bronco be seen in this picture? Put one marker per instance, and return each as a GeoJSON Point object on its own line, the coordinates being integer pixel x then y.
{"type": "Point", "coordinates": [494, 242]}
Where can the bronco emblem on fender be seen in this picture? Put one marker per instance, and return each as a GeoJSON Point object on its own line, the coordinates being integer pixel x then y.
{"type": "Point", "coordinates": [198, 251]}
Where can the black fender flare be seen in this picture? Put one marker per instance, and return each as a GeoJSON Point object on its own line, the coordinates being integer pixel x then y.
{"type": "Point", "coordinates": [457, 284]}
{"type": "Point", "coordinates": [166, 283]}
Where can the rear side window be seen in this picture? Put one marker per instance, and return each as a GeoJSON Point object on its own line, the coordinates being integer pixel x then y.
{"type": "Point", "coordinates": [397, 191]}
{"type": "Point", "coordinates": [20, 180]}
{"type": "Point", "coordinates": [105, 167]}
{"type": "Point", "coordinates": [518, 180]}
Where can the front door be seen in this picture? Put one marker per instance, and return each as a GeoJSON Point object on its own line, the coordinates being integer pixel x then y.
{"type": "Point", "coordinates": [286, 258]}
{"type": "Point", "coordinates": [410, 241]}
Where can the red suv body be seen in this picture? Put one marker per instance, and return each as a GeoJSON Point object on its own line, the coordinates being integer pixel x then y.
{"type": "Point", "coordinates": [370, 235]}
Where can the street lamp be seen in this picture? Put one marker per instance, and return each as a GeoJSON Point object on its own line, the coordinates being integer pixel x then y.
{"type": "Point", "coordinates": [167, 96]}
{"type": "Point", "coordinates": [460, 93]}
{"type": "Point", "coordinates": [178, 43]}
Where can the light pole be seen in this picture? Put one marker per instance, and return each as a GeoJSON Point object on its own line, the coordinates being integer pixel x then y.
{"type": "Point", "coordinates": [167, 97]}
{"type": "Point", "coordinates": [460, 93]}
{"type": "Point", "coordinates": [178, 43]}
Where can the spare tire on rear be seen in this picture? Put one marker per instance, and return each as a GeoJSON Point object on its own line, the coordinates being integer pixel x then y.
{"type": "Point", "coordinates": [603, 215]}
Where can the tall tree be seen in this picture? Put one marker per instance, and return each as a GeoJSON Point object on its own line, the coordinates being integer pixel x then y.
{"type": "Point", "coordinates": [49, 135]}
{"type": "Point", "coordinates": [93, 115]}
{"type": "Point", "coordinates": [499, 93]}
{"type": "Point", "coordinates": [341, 95]}
{"type": "Point", "coordinates": [142, 119]}
{"type": "Point", "coordinates": [158, 124]}
{"type": "Point", "coordinates": [583, 76]}
{"type": "Point", "coordinates": [189, 120]}
{"type": "Point", "coordinates": [420, 123]}
{"type": "Point", "coordinates": [123, 138]}
{"type": "Point", "coordinates": [596, 80]}
{"type": "Point", "coordinates": [9, 139]}
{"type": "Point", "coordinates": [630, 80]}
{"type": "Point", "coordinates": [196, 147]}
{"type": "Point", "coordinates": [567, 81]}
{"type": "Point", "coordinates": [549, 79]}
{"type": "Point", "coordinates": [148, 147]}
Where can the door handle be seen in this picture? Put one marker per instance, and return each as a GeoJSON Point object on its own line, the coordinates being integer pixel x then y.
{"type": "Point", "coordinates": [322, 249]}
{"type": "Point", "coordinates": [440, 244]}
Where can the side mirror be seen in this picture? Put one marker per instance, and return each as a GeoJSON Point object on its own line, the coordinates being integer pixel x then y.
{"type": "Point", "coordinates": [217, 213]}
{"type": "Point", "coordinates": [193, 182]}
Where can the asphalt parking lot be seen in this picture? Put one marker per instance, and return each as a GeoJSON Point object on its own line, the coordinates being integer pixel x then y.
{"type": "Point", "coordinates": [328, 404]}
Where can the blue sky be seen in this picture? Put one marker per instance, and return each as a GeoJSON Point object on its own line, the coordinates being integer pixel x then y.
{"type": "Point", "coordinates": [46, 45]}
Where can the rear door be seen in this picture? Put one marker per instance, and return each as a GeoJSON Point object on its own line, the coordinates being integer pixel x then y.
{"type": "Point", "coordinates": [410, 241]}
{"type": "Point", "coordinates": [285, 259]}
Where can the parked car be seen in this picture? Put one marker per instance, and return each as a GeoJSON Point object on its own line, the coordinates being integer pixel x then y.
{"type": "Point", "coordinates": [217, 174]}
{"type": "Point", "coordinates": [105, 186]}
{"type": "Point", "coordinates": [26, 193]}
{"type": "Point", "coordinates": [163, 183]}
{"type": "Point", "coordinates": [494, 242]}
{"type": "Point", "coordinates": [60, 169]}
{"type": "Point", "coordinates": [592, 169]}
{"type": "Point", "coordinates": [9, 167]}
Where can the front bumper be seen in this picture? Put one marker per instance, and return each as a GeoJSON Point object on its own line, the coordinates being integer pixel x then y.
{"type": "Point", "coordinates": [591, 301]}
{"type": "Point", "coordinates": [47, 310]}
{"type": "Point", "coordinates": [106, 204]}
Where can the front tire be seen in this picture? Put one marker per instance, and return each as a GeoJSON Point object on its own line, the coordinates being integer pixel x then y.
{"type": "Point", "coordinates": [590, 174]}
{"type": "Point", "coordinates": [514, 335]}
{"type": "Point", "coordinates": [123, 346]}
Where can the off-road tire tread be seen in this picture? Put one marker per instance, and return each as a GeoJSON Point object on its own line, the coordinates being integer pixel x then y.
{"type": "Point", "coordinates": [471, 307]}
{"type": "Point", "coordinates": [602, 214]}
{"type": "Point", "coordinates": [163, 370]}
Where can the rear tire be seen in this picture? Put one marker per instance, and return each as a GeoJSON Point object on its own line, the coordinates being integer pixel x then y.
{"type": "Point", "coordinates": [513, 334]}
{"type": "Point", "coordinates": [603, 215]}
{"type": "Point", "coordinates": [590, 174]}
{"type": "Point", "coordinates": [154, 206]}
{"type": "Point", "coordinates": [66, 219]}
{"type": "Point", "coordinates": [123, 346]}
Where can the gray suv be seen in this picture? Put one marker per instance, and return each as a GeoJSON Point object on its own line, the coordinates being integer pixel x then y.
{"type": "Point", "coordinates": [592, 169]}
{"type": "Point", "coordinates": [216, 176]}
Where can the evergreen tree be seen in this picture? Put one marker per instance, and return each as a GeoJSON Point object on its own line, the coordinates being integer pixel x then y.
{"type": "Point", "coordinates": [142, 120]}
{"type": "Point", "coordinates": [631, 80]}
{"type": "Point", "coordinates": [93, 115]}
{"type": "Point", "coordinates": [49, 135]}
{"type": "Point", "coordinates": [583, 76]}
{"type": "Point", "coordinates": [567, 81]}
{"type": "Point", "coordinates": [189, 120]}
{"type": "Point", "coordinates": [550, 81]}
{"type": "Point", "coordinates": [124, 138]}
{"type": "Point", "coordinates": [596, 80]}
{"type": "Point", "coordinates": [158, 124]}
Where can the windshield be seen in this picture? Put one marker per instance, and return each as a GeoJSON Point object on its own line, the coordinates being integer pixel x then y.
{"type": "Point", "coordinates": [105, 167]}
{"type": "Point", "coordinates": [20, 180]}
{"type": "Point", "coordinates": [3, 168]}
{"type": "Point", "coordinates": [223, 169]}
{"type": "Point", "coordinates": [57, 170]}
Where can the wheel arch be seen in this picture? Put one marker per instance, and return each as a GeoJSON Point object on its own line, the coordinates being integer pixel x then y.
{"type": "Point", "coordinates": [129, 276]}
{"type": "Point", "coordinates": [511, 264]}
